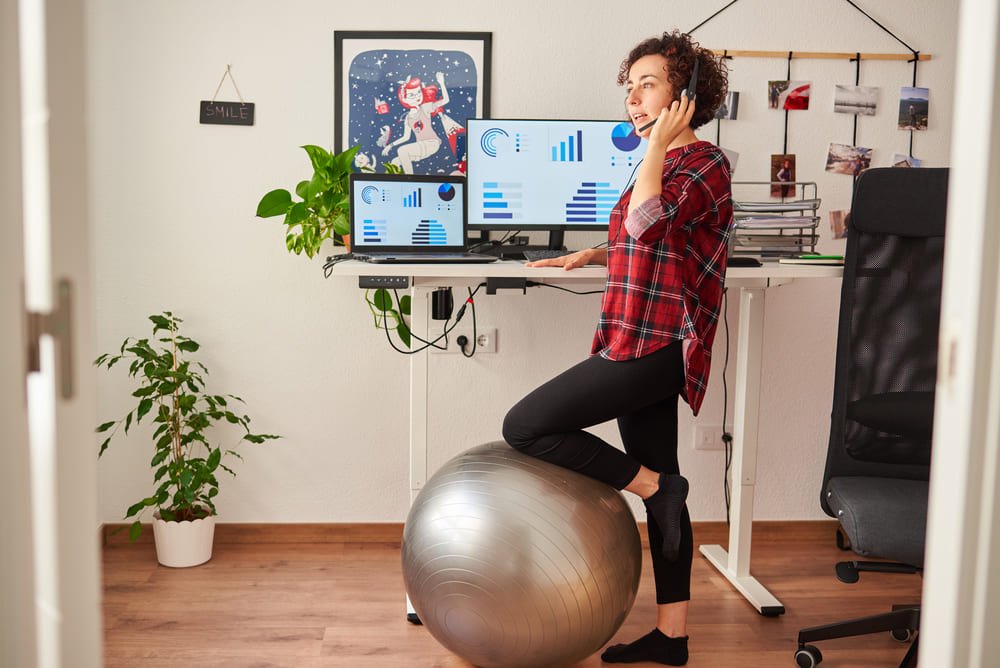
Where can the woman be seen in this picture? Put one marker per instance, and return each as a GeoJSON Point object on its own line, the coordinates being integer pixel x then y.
{"type": "Point", "coordinates": [666, 260]}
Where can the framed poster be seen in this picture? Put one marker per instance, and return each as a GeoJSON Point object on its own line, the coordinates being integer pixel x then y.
{"type": "Point", "coordinates": [404, 97]}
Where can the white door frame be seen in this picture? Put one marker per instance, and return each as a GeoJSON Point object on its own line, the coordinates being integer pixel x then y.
{"type": "Point", "coordinates": [961, 598]}
{"type": "Point", "coordinates": [49, 539]}
{"type": "Point", "coordinates": [17, 631]}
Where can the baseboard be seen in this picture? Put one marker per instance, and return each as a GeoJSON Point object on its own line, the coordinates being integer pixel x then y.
{"type": "Point", "coordinates": [392, 532]}
{"type": "Point", "coordinates": [249, 533]}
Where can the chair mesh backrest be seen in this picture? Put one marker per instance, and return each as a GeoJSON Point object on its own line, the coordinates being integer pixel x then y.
{"type": "Point", "coordinates": [888, 332]}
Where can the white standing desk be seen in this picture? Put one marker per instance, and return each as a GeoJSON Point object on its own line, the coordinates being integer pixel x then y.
{"type": "Point", "coordinates": [752, 283]}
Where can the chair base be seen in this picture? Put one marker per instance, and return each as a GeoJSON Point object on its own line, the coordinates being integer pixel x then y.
{"type": "Point", "coordinates": [903, 623]}
{"type": "Point", "coordinates": [848, 571]}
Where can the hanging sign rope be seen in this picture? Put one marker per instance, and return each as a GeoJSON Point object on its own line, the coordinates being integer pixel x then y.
{"type": "Point", "coordinates": [226, 113]}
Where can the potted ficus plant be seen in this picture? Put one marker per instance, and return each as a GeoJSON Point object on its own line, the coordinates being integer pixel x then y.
{"type": "Point", "coordinates": [323, 212]}
{"type": "Point", "coordinates": [186, 461]}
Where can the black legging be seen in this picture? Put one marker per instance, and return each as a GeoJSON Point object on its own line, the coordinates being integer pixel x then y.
{"type": "Point", "coordinates": [642, 394]}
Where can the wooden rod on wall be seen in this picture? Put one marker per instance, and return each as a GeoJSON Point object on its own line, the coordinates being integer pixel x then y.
{"type": "Point", "coordinates": [821, 54]}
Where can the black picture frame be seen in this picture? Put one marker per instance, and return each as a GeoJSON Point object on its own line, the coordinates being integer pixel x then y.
{"type": "Point", "coordinates": [409, 90]}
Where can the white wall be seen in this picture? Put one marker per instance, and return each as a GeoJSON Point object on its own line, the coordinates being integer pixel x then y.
{"type": "Point", "coordinates": [173, 205]}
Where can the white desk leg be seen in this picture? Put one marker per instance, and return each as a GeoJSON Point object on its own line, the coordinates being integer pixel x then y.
{"type": "Point", "coordinates": [735, 565]}
{"type": "Point", "coordinates": [419, 325]}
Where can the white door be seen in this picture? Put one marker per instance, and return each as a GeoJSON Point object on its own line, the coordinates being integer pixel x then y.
{"type": "Point", "coordinates": [49, 530]}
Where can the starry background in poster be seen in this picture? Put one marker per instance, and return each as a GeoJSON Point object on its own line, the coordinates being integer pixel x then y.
{"type": "Point", "coordinates": [373, 90]}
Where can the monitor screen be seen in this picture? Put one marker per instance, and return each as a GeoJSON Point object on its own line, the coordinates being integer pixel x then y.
{"type": "Point", "coordinates": [548, 174]}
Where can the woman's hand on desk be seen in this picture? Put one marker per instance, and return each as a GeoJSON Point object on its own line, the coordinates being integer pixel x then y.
{"type": "Point", "coordinates": [574, 260]}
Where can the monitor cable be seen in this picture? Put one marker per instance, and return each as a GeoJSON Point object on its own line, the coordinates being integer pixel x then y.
{"type": "Point", "coordinates": [332, 261]}
{"type": "Point", "coordinates": [629, 185]}
{"type": "Point", "coordinates": [488, 244]}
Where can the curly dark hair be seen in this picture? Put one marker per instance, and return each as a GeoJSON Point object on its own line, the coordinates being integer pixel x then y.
{"type": "Point", "coordinates": [680, 52]}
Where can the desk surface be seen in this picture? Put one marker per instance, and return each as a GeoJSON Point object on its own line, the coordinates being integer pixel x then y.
{"type": "Point", "coordinates": [771, 272]}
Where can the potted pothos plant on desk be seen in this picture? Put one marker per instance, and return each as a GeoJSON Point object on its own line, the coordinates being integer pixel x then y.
{"type": "Point", "coordinates": [186, 462]}
{"type": "Point", "coordinates": [323, 212]}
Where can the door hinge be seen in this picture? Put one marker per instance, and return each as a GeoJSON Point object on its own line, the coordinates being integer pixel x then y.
{"type": "Point", "coordinates": [59, 325]}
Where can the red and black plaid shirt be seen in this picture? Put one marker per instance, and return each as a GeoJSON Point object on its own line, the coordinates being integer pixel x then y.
{"type": "Point", "coordinates": [667, 266]}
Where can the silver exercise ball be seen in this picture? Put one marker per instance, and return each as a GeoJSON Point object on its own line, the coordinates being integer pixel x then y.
{"type": "Point", "coordinates": [511, 561]}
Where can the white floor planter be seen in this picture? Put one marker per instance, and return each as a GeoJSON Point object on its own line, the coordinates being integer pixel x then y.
{"type": "Point", "coordinates": [183, 544]}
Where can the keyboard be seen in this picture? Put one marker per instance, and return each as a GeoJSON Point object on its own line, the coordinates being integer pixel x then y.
{"type": "Point", "coordinates": [543, 254]}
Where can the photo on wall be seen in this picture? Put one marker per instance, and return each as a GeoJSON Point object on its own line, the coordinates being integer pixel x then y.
{"type": "Point", "coordinates": [847, 159]}
{"type": "Point", "coordinates": [900, 160]}
{"type": "Point", "coordinates": [788, 94]}
{"type": "Point", "coordinates": [913, 108]}
{"type": "Point", "coordinates": [782, 175]}
{"type": "Point", "coordinates": [732, 156]}
{"type": "Point", "coordinates": [857, 100]}
{"type": "Point", "coordinates": [729, 107]}
{"type": "Point", "coordinates": [838, 223]}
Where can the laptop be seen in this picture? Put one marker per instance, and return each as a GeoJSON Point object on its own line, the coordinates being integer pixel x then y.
{"type": "Point", "coordinates": [406, 218]}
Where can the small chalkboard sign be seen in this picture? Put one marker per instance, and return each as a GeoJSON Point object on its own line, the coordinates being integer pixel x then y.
{"type": "Point", "coordinates": [226, 113]}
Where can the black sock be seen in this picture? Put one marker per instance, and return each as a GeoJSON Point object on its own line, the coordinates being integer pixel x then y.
{"type": "Point", "coordinates": [667, 507]}
{"type": "Point", "coordinates": [654, 646]}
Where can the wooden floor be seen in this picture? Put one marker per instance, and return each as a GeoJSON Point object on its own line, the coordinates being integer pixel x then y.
{"type": "Point", "coordinates": [301, 597]}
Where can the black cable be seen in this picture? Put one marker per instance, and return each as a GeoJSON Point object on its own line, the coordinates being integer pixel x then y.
{"type": "Point", "coordinates": [788, 77]}
{"type": "Point", "coordinates": [916, 54]}
{"type": "Point", "coordinates": [447, 330]}
{"type": "Point", "coordinates": [718, 121]}
{"type": "Point", "coordinates": [430, 344]}
{"type": "Point", "coordinates": [510, 235]}
{"type": "Point", "coordinates": [712, 16]}
{"type": "Point", "coordinates": [908, 47]}
{"type": "Point", "coordinates": [916, 59]}
{"type": "Point", "coordinates": [857, 80]}
{"type": "Point", "coordinates": [854, 135]}
{"type": "Point", "coordinates": [610, 242]}
{"type": "Point", "coordinates": [727, 438]}
{"type": "Point", "coordinates": [332, 260]}
{"type": "Point", "coordinates": [536, 284]}
{"type": "Point", "coordinates": [475, 334]}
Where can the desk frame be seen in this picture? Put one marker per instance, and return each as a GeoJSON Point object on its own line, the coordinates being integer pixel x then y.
{"type": "Point", "coordinates": [734, 564]}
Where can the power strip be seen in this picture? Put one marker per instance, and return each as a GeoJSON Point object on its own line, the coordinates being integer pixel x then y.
{"type": "Point", "coordinates": [383, 282]}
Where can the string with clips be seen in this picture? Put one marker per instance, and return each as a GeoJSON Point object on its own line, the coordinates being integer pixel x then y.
{"type": "Point", "coordinates": [854, 133]}
{"type": "Point", "coordinates": [913, 56]}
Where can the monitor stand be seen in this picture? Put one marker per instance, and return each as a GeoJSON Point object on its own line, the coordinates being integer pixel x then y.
{"type": "Point", "coordinates": [513, 252]}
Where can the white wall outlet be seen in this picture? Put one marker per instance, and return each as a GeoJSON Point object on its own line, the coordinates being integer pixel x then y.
{"type": "Point", "coordinates": [709, 437]}
{"type": "Point", "coordinates": [486, 340]}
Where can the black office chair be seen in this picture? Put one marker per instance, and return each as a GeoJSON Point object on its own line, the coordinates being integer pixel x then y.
{"type": "Point", "coordinates": [878, 459]}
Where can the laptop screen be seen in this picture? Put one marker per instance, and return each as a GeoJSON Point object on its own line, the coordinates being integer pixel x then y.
{"type": "Point", "coordinates": [407, 212]}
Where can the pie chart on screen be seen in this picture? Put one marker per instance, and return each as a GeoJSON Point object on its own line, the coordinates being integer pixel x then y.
{"type": "Point", "coordinates": [446, 192]}
{"type": "Point", "coordinates": [624, 138]}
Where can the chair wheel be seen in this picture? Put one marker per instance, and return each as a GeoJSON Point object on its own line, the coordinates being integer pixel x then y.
{"type": "Point", "coordinates": [808, 656]}
{"type": "Point", "coordinates": [902, 635]}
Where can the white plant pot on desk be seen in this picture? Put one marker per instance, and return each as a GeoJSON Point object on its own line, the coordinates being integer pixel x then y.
{"type": "Point", "coordinates": [183, 544]}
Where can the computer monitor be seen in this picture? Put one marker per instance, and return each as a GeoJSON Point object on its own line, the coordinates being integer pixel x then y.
{"type": "Point", "coordinates": [548, 175]}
